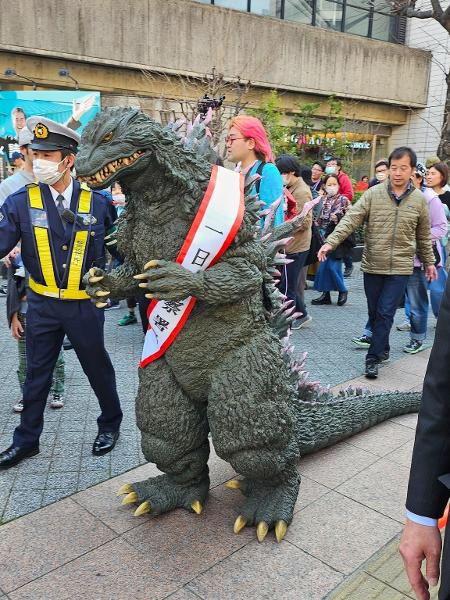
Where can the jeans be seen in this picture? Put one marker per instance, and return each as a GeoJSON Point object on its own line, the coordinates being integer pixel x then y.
{"type": "Point", "coordinates": [417, 295]}
{"type": "Point", "coordinates": [436, 288]}
{"type": "Point", "coordinates": [289, 280]}
{"type": "Point", "coordinates": [329, 276]}
{"type": "Point", "coordinates": [383, 293]}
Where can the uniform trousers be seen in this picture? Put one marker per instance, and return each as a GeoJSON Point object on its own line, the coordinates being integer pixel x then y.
{"type": "Point", "coordinates": [48, 320]}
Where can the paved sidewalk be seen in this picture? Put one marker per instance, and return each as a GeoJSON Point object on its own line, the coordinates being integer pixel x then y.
{"type": "Point", "coordinates": [350, 506]}
{"type": "Point", "coordinates": [66, 465]}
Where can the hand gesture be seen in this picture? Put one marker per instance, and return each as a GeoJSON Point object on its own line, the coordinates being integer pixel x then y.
{"type": "Point", "coordinates": [418, 543]}
{"type": "Point", "coordinates": [431, 273]}
{"type": "Point", "coordinates": [166, 280]}
{"type": "Point", "coordinates": [80, 108]}
{"type": "Point", "coordinates": [16, 327]}
{"type": "Point", "coordinates": [322, 254]}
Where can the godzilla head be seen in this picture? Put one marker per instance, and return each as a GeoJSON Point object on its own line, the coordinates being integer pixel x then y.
{"type": "Point", "coordinates": [119, 144]}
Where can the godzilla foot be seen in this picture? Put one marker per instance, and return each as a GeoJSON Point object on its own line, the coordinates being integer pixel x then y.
{"type": "Point", "coordinates": [161, 494]}
{"type": "Point", "coordinates": [267, 506]}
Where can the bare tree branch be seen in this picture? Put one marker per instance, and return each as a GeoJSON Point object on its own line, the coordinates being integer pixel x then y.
{"type": "Point", "coordinates": [419, 14]}
{"type": "Point", "coordinates": [437, 9]}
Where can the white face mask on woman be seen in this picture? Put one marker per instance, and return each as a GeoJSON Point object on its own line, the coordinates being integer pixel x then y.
{"type": "Point", "coordinates": [46, 171]}
{"type": "Point", "coordinates": [381, 176]}
{"type": "Point", "coordinates": [331, 190]}
{"type": "Point", "coordinates": [285, 178]}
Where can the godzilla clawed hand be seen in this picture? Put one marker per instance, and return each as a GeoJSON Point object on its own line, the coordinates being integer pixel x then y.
{"type": "Point", "coordinates": [95, 287]}
{"type": "Point", "coordinates": [165, 280]}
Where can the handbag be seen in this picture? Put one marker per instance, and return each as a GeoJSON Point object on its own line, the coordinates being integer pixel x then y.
{"type": "Point", "coordinates": [316, 244]}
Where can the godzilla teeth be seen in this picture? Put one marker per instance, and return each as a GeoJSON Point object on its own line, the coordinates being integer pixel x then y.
{"type": "Point", "coordinates": [109, 169]}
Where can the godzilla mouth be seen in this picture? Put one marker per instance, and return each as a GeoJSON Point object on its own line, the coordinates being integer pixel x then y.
{"type": "Point", "coordinates": [112, 168]}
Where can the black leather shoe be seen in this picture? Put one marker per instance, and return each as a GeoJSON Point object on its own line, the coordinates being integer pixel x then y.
{"type": "Point", "coordinates": [371, 369]}
{"type": "Point", "coordinates": [105, 442]}
{"type": "Point", "coordinates": [14, 454]}
{"type": "Point", "coordinates": [342, 298]}
{"type": "Point", "coordinates": [325, 298]}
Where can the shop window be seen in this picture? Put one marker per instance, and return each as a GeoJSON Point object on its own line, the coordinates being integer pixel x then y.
{"type": "Point", "coordinates": [329, 14]}
{"type": "Point", "coordinates": [356, 21]}
{"type": "Point", "coordinates": [236, 4]}
{"type": "Point", "coordinates": [267, 8]}
{"type": "Point", "coordinates": [299, 10]}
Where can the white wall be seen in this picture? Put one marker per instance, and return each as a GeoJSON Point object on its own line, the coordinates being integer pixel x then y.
{"type": "Point", "coordinates": [422, 130]}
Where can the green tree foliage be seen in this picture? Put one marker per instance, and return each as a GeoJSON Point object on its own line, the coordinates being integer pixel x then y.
{"type": "Point", "coordinates": [271, 115]}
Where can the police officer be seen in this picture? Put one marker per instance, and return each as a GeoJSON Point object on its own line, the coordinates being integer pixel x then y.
{"type": "Point", "coordinates": [62, 226]}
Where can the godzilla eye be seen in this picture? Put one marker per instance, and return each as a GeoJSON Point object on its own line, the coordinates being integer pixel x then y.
{"type": "Point", "coordinates": [108, 137]}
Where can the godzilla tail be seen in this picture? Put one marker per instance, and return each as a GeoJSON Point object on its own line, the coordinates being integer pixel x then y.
{"type": "Point", "coordinates": [325, 422]}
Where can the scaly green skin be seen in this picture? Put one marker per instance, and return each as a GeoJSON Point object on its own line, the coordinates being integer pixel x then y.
{"type": "Point", "coordinates": [227, 372]}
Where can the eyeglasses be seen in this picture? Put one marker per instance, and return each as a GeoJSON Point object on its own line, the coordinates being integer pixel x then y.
{"type": "Point", "coordinates": [230, 140]}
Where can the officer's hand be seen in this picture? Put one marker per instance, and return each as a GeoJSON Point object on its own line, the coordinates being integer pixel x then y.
{"type": "Point", "coordinates": [431, 273]}
{"type": "Point", "coordinates": [167, 280]}
{"type": "Point", "coordinates": [16, 327]}
{"type": "Point", "coordinates": [322, 254]}
{"type": "Point", "coordinates": [418, 543]}
{"type": "Point", "coordinates": [95, 286]}
{"type": "Point", "coordinates": [9, 258]}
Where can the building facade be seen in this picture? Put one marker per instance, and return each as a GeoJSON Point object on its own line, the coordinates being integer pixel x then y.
{"type": "Point", "coordinates": [155, 54]}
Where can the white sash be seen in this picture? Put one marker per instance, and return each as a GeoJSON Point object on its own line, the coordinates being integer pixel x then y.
{"type": "Point", "coordinates": [214, 228]}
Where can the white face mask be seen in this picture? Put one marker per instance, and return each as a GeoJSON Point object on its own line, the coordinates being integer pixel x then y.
{"type": "Point", "coordinates": [381, 176]}
{"type": "Point", "coordinates": [332, 190]}
{"type": "Point", "coordinates": [285, 178]}
{"type": "Point", "coordinates": [46, 171]}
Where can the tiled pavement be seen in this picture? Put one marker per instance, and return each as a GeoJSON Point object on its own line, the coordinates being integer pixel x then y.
{"type": "Point", "coordinates": [350, 505]}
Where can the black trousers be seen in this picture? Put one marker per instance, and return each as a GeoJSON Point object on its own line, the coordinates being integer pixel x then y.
{"type": "Point", "coordinates": [48, 320]}
{"type": "Point", "coordinates": [289, 280]}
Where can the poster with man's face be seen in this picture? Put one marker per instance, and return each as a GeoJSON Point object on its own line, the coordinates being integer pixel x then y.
{"type": "Point", "coordinates": [72, 108]}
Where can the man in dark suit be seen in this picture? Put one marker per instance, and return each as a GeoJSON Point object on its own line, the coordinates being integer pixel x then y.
{"type": "Point", "coordinates": [61, 225]}
{"type": "Point", "coordinates": [429, 483]}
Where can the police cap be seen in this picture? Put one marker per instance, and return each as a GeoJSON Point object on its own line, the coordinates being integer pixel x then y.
{"type": "Point", "coordinates": [50, 135]}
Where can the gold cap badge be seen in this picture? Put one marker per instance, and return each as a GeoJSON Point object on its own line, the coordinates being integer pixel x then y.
{"type": "Point", "coordinates": [41, 131]}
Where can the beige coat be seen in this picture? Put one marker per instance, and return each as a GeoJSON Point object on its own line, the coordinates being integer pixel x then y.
{"type": "Point", "coordinates": [302, 237]}
{"type": "Point", "coordinates": [393, 233]}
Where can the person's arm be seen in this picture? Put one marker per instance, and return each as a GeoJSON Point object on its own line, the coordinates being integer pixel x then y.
{"type": "Point", "coordinates": [423, 237]}
{"type": "Point", "coordinates": [439, 224]}
{"type": "Point", "coordinates": [345, 186]}
{"type": "Point", "coordinates": [16, 327]}
{"type": "Point", "coordinates": [427, 495]}
{"type": "Point", "coordinates": [271, 189]}
{"type": "Point", "coordinates": [9, 226]}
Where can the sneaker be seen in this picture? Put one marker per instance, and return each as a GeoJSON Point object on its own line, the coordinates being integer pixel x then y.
{"type": "Point", "coordinates": [113, 304]}
{"type": "Point", "coordinates": [384, 358]}
{"type": "Point", "coordinates": [302, 322]}
{"type": "Point", "coordinates": [129, 319]}
{"type": "Point", "coordinates": [406, 326]}
{"type": "Point", "coordinates": [371, 369]}
{"type": "Point", "coordinates": [18, 408]}
{"type": "Point", "coordinates": [362, 342]}
{"type": "Point", "coordinates": [57, 401]}
{"type": "Point", "coordinates": [414, 347]}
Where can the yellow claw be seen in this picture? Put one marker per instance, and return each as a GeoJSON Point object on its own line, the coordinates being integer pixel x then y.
{"type": "Point", "coordinates": [197, 506]}
{"type": "Point", "coordinates": [261, 531]}
{"type": "Point", "coordinates": [95, 279]}
{"type": "Point", "coordinates": [142, 509]}
{"type": "Point", "coordinates": [101, 304]}
{"type": "Point", "coordinates": [142, 285]}
{"type": "Point", "coordinates": [280, 530]}
{"type": "Point", "coordinates": [150, 264]}
{"type": "Point", "coordinates": [101, 293]}
{"type": "Point", "coordinates": [92, 271]}
{"type": "Point", "coordinates": [140, 276]}
{"type": "Point", "coordinates": [239, 524]}
{"type": "Point", "coordinates": [126, 488]}
{"type": "Point", "coordinates": [233, 484]}
{"type": "Point", "coordinates": [111, 243]}
{"type": "Point", "coordinates": [130, 498]}
{"type": "Point", "coordinates": [150, 296]}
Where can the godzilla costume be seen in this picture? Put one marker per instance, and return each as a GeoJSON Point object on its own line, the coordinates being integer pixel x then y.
{"type": "Point", "coordinates": [230, 372]}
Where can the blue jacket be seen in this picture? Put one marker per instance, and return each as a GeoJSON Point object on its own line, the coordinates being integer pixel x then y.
{"type": "Point", "coordinates": [15, 225]}
{"type": "Point", "coordinates": [270, 189]}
